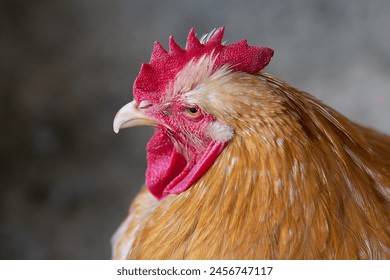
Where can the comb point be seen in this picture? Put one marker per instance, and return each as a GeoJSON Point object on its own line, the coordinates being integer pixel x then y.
{"type": "Point", "coordinates": [192, 41]}
{"type": "Point", "coordinates": [217, 37]}
{"type": "Point", "coordinates": [158, 53]}
{"type": "Point", "coordinates": [174, 48]}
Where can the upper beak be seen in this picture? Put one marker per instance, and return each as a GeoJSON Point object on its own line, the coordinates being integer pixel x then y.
{"type": "Point", "coordinates": [129, 116]}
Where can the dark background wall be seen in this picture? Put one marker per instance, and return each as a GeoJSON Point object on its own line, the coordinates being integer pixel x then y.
{"type": "Point", "coordinates": [66, 67]}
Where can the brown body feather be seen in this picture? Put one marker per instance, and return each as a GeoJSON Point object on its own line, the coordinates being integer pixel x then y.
{"type": "Point", "coordinates": [297, 181]}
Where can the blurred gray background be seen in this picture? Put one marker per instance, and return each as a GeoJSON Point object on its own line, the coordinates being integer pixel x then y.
{"type": "Point", "coordinates": [66, 67]}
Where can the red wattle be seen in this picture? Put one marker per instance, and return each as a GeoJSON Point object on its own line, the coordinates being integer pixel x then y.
{"type": "Point", "coordinates": [164, 163]}
{"type": "Point", "coordinates": [168, 172]}
{"type": "Point", "coordinates": [195, 170]}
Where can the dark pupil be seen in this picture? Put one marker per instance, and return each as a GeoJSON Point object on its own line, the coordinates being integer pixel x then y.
{"type": "Point", "coordinates": [193, 110]}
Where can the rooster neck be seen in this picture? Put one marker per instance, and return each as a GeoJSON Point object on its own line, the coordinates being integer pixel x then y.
{"type": "Point", "coordinates": [260, 201]}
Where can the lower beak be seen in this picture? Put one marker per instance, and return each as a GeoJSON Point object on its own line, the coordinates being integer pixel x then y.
{"type": "Point", "coordinates": [129, 116]}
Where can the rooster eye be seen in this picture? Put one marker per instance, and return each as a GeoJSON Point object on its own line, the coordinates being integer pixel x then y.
{"type": "Point", "coordinates": [192, 111]}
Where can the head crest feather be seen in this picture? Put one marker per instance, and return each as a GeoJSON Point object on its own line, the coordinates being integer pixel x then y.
{"type": "Point", "coordinates": [155, 76]}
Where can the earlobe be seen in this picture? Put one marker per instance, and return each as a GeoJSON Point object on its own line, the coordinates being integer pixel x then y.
{"type": "Point", "coordinates": [219, 131]}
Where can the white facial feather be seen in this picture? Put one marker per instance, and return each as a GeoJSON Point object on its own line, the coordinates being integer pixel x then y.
{"type": "Point", "coordinates": [194, 73]}
{"type": "Point", "coordinates": [206, 37]}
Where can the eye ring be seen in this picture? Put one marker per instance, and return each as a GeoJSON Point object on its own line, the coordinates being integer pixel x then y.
{"type": "Point", "coordinates": [192, 111]}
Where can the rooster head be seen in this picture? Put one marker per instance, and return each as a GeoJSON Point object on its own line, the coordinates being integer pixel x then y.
{"type": "Point", "coordinates": [187, 138]}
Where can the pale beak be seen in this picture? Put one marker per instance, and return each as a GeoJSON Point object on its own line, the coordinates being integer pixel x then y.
{"type": "Point", "coordinates": [129, 116]}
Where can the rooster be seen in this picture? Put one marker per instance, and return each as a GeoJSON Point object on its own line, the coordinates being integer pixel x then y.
{"type": "Point", "coordinates": [243, 166]}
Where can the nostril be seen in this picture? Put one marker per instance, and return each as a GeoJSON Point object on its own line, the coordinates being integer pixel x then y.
{"type": "Point", "coordinates": [144, 104]}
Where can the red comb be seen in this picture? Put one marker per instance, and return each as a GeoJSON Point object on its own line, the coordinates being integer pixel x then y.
{"type": "Point", "coordinates": [154, 77]}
